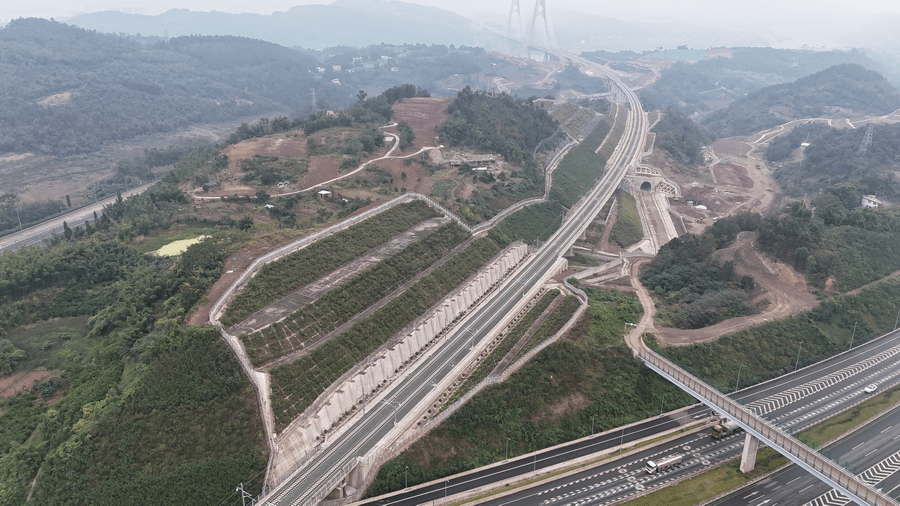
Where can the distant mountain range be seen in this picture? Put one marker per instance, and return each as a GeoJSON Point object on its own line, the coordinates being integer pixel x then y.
{"type": "Point", "coordinates": [846, 87]}
{"type": "Point", "coordinates": [341, 23]}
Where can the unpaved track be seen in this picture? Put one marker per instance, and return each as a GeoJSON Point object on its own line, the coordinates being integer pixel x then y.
{"type": "Point", "coordinates": [784, 288]}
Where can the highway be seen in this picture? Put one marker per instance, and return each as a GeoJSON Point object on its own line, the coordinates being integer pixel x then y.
{"type": "Point", "coordinates": [872, 452]}
{"type": "Point", "coordinates": [38, 233]}
{"type": "Point", "coordinates": [795, 402]}
{"type": "Point", "coordinates": [308, 483]}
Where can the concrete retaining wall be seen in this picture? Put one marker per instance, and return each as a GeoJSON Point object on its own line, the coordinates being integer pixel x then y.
{"type": "Point", "coordinates": [299, 440]}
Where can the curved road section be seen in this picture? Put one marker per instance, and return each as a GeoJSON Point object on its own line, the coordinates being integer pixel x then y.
{"type": "Point", "coordinates": [312, 482]}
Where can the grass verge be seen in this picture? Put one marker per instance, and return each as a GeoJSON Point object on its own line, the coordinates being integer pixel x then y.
{"type": "Point", "coordinates": [627, 230]}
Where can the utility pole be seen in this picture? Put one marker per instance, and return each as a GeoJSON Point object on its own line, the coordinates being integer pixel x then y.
{"type": "Point", "coordinates": [492, 79]}
{"type": "Point", "coordinates": [244, 495]}
{"type": "Point", "coordinates": [798, 355]}
{"type": "Point", "coordinates": [852, 336]}
{"type": "Point", "coordinates": [738, 382]}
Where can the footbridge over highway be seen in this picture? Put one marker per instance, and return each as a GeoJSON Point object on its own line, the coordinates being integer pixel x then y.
{"type": "Point", "coordinates": [759, 429]}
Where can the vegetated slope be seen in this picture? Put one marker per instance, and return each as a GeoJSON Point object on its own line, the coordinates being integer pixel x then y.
{"type": "Point", "coordinates": [145, 403]}
{"type": "Point", "coordinates": [770, 349]}
{"type": "Point", "coordinates": [841, 87]}
{"type": "Point", "coordinates": [575, 173]}
{"type": "Point", "coordinates": [297, 385]}
{"type": "Point", "coordinates": [832, 157]}
{"type": "Point", "coordinates": [65, 90]}
{"type": "Point", "coordinates": [627, 229]}
{"type": "Point", "coordinates": [588, 377]}
{"type": "Point", "coordinates": [708, 85]}
{"type": "Point", "coordinates": [338, 305]}
{"type": "Point", "coordinates": [692, 288]}
{"type": "Point", "coordinates": [679, 136]}
{"type": "Point", "coordinates": [280, 277]}
{"type": "Point", "coordinates": [840, 247]}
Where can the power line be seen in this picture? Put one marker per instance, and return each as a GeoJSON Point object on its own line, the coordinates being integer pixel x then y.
{"type": "Point", "coordinates": [867, 140]}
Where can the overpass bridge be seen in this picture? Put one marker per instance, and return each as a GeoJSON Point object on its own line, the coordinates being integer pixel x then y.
{"type": "Point", "coordinates": [759, 429]}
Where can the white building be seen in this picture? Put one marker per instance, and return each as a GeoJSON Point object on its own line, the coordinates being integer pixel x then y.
{"type": "Point", "coordinates": [873, 201]}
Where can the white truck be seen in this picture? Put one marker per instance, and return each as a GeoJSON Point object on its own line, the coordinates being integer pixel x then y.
{"type": "Point", "coordinates": [725, 427]}
{"type": "Point", "coordinates": [654, 466]}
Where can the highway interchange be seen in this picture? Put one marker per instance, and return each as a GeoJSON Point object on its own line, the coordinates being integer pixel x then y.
{"type": "Point", "coordinates": [795, 402]}
{"type": "Point", "coordinates": [307, 483]}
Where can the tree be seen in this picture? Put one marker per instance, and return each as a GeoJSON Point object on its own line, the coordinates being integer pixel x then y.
{"type": "Point", "coordinates": [361, 96]}
{"type": "Point", "coordinates": [67, 232]}
{"type": "Point", "coordinates": [245, 223]}
{"type": "Point", "coordinates": [262, 196]}
{"type": "Point", "coordinates": [406, 134]}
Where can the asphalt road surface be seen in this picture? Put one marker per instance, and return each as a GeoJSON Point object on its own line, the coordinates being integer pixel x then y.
{"type": "Point", "coordinates": [794, 402]}
{"type": "Point", "coordinates": [406, 395]}
{"type": "Point", "coordinates": [38, 233]}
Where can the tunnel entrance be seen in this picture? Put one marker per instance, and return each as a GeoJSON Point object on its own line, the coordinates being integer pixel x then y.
{"type": "Point", "coordinates": [645, 186]}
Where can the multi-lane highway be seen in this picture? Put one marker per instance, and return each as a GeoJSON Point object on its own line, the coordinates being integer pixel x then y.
{"type": "Point", "coordinates": [308, 483]}
{"type": "Point", "coordinates": [794, 402]}
{"type": "Point", "coordinates": [873, 453]}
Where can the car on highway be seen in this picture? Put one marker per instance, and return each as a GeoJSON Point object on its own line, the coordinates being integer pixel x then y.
{"type": "Point", "coordinates": [871, 388]}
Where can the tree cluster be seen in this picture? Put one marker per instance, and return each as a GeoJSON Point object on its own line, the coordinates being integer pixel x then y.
{"type": "Point", "coordinates": [848, 86]}
{"type": "Point", "coordinates": [696, 289]}
{"type": "Point", "coordinates": [833, 157]}
{"type": "Point", "coordinates": [367, 112]}
{"type": "Point", "coordinates": [65, 90]}
{"type": "Point", "coordinates": [679, 136]}
{"type": "Point", "coordinates": [502, 124]}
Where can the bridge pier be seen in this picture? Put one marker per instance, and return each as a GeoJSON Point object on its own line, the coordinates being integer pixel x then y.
{"type": "Point", "coordinates": [748, 456]}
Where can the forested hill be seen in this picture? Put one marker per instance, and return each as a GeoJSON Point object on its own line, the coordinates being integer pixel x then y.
{"type": "Point", "coordinates": [339, 23]}
{"type": "Point", "coordinates": [66, 90]}
{"type": "Point", "coordinates": [833, 158]}
{"type": "Point", "coordinates": [846, 86]}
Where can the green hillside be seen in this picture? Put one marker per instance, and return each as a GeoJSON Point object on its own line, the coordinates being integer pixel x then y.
{"type": "Point", "coordinates": [841, 87]}
{"type": "Point", "coordinates": [709, 85]}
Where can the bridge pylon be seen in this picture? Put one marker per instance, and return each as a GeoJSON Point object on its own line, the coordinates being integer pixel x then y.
{"type": "Point", "coordinates": [540, 10]}
{"type": "Point", "coordinates": [515, 14]}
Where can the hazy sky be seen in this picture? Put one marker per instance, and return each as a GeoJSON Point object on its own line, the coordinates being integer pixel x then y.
{"type": "Point", "coordinates": [701, 10]}
{"type": "Point", "coordinates": [778, 23]}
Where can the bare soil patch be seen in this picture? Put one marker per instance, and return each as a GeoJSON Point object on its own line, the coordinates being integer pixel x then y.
{"type": "Point", "coordinates": [568, 404]}
{"type": "Point", "coordinates": [731, 147]}
{"type": "Point", "coordinates": [733, 174]}
{"type": "Point", "coordinates": [424, 115]}
{"type": "Point", "coordinates": [23, 381]}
